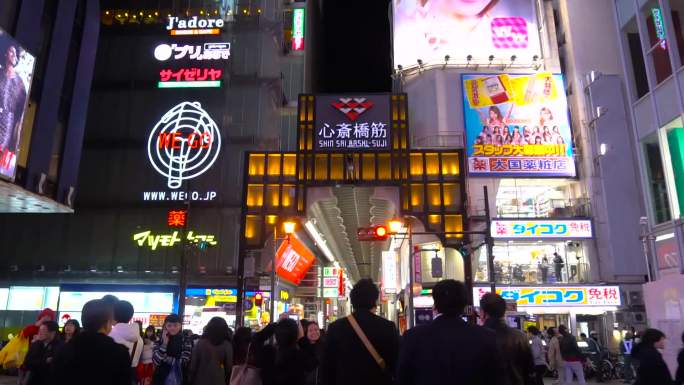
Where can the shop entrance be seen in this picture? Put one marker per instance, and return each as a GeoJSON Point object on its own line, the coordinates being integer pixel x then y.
{"type": "Point", "coordinates": [337, 192]}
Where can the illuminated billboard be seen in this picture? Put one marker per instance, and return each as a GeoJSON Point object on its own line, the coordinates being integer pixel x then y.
{"type": "Point", "coordinates": [431, 29]}
{"type": "Point", "coordinates": [517, 125]}
{"type": "Point", "coordinates": [298, 29]}
{"type": "Point", "coordinates": [542, 229]}
{"type": "Point", "coordinates": [16, 74]}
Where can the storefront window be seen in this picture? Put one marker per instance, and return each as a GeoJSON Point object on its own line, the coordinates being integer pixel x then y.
{"type": "Point", "coordinates": [636, 57]}
{"type": "Point", "coordinates": [659, 43]}
{"type": "Point", "coordinates": [533, 198]}
{"type": "Point", "coordinates": [540, 262]}
{"type": "Point", "coordinates": [656, 180]}
{"type": "Point", "coordinates": [678, 22]}
{"type": "Point", "coordinates": [32, 298]}
{"type": "Point", "coordinates": [672, 138]}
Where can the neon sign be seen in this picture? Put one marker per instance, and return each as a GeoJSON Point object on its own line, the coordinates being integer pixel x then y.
{"type": "Point", "coordinates": [146, 238]}
{"type": "Point", "coordinates": [184, 144]}
{"type": "Point", "coordinates": [176, 218]}
{"type": "Point", "coordinates": [194, 26]}
{"type": "Point", "coordinates": [190, 78]}
{"type": "Point", "coordinates": [556, 296]}
{"type": "Point", "coordinates": [540, 229]}
{"type": "Point", "coordinates": [659, 27]}
{"type": "Point", "coordinates": [208, 51]}
{"type": "Point", "coordinates": [298, 29]}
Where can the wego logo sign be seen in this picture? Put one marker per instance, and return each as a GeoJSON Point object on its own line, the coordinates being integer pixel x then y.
{"type": "Point", "coordinates": [184, 144]}
{"type": "Point", "coordinates": [353, 107]}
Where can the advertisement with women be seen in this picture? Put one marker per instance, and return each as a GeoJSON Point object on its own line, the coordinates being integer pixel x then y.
{"type": "Point", "coordinates": [16, 73]}
{"type": "Point", "coordinates": [431, 29]}
{"type": "Point", "coordinates": [517, 125]}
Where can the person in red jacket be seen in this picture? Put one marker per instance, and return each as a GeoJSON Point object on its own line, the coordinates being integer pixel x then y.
{"type": "Point", "coordinates": [31, 331]}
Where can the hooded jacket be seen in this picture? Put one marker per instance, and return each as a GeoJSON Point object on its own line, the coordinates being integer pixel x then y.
{"type": "Point", "coordinates": [128, 335]}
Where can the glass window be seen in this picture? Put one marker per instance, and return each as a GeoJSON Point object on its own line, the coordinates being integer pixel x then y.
{"type": "Point", "coordinates": [32, 298]}
{"type": "Point", "coordinates": [678, 24]}
{"type": "Point", "coordinates": [636, 57]}
{"type": "Point", "coordinates": [658, 47]}
{"type": "Point", "coordinates": [4, 295]}
{"type": "Point", "coordinates": [533, 198]}
{"type": "Point", "coordinates": [672, 139]}
{"type": "Point", "coordinates": [656, 180]}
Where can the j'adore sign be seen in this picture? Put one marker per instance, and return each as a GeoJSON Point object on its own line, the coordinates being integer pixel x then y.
{"type": "Point", "coordinates": [194, 26]}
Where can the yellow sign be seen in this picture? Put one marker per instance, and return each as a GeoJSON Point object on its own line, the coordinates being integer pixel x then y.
{"type": "Point", "coordinates": [146, 238]}
{"type": "Point", "coordinates": [284, 295]}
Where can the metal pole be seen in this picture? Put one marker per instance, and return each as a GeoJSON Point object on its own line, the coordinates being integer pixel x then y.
{"type": "Point", "coordinates": [410, 313]}
{"type": "Point", "coordinates": [183, 265]}
{"type": "Point", "coordinates": [490, 243]}
{"type": "Point", "coordinates": [273, 273]}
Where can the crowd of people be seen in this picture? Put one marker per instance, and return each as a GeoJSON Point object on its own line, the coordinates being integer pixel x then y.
{"type": "Point", "coordinates": [362, 348]}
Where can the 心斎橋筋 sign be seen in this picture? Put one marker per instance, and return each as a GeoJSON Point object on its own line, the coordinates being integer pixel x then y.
{"type": "Point", "coordinates": [352, 123]}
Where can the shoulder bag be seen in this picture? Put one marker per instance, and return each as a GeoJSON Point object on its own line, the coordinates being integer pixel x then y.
{"type": "Point", "coordinates": [245, 374]}
{"type": "Point", "coordinates": [366, 342]}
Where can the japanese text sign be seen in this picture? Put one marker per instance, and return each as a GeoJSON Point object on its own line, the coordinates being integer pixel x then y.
{"type": "Point", "coordinates": [176, 218]}
{"type": "Point", "coordinates": [293, 260]}
{"type": "Point", "coordinates": [517, 125]}
{"type": "Point", "coordinates": [556, 296]}
{"type": "Point", "coordinates": [352, 123]}
{"type": "Point", "coordinates": [148, 239]}
{"type": "Point", "coordinates": [330, 281]}
{"type": "Point", "coordinates": [540, 229]}
{"type": "Point", "coordinates": [298, 29]}
{"type": "Point", "coordinates": [208, 51]}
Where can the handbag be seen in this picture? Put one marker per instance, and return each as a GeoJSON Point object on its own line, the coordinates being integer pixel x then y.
{"type": "Point", "coordinates": [362, 336]}
{"type": "Point", "coordinates": [175, 376]}
{"type": "Point", "coordinates": [245, 374]}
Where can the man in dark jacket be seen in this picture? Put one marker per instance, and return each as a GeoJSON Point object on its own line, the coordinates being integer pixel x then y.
{"type": "Point", "coordinates": [448, 351]}
{"type": "Point", "coordinates": [513, 346]}
{"type": "Point", "coordinates": [41, 354]}
{"type": "Point", "coordinates": [573, 358]}
{"type": "Point", "coordinates": [91, 357]}
{"type": "Point", "coordinates": [346, 361]}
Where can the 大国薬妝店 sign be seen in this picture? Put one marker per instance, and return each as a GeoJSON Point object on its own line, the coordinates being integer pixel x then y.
{"type": "Point", "coordinates": [556, 296]}
{"type": "Point", "coordinates": [148, 239]}
{"type": "Point", "coordinates": [208, 51]}
{"type": "Point", "coordinates": [517, 125]}
{"type": "Point", "coordinates": [354, 123]}
{"type": "Point", "coordinates": [194, 26]}
{"type": "Point", "coordinates": [541, 228]}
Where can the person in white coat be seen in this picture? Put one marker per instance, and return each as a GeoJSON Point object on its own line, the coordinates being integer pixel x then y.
{"type": "Point", "coordinates": [127, 334]}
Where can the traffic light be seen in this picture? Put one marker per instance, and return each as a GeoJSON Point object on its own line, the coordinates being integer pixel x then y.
{"type": "Point", "coordinates": [258, 299]}
{"type": "Point", "coordinates": [375, 233]}
{"type": "Point", "coordinates": [380, 232]}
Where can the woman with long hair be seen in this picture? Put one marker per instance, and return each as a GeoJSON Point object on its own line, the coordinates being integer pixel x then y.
{"type": "Point", "coordinates": [212, 357]}
{"type": "Point", "coordinates": [652, 368]}
{"type": "Point", "coordinates": [314, 336]}
{"type": "Point", "coordinates": [145, 368]}
{"type": "Point", "coordinates": [288, 362]}
{"type": "Point", "coordinates": [71, 328]}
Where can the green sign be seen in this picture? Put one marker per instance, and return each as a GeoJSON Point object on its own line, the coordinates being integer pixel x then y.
{"type": "Point", "coordinates": [330, 272]}
{"type": "Point", "coordinates": [330, 292]}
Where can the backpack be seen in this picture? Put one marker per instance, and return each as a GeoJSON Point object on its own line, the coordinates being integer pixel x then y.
{"type": "Point", "coordinates": [569, 348]}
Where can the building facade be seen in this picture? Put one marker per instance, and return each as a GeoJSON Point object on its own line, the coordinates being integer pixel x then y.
{"type": "Point", "coordinates": [54, 53]}
{"type": "Point", "coordinates": [651, 38]}
{"type": "Point", "coordinates": [557, 225]}
{"type": "Point", "coordinates": [179, 94]}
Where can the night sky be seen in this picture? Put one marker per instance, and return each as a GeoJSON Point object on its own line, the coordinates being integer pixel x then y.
{"type": "Point", "coordinates": [355, 49]}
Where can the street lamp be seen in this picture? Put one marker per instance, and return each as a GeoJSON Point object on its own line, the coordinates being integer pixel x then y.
{"type": "Point", "coordinates": [395, 226]}
{"type": "Point", "coordinates": [289, 227]}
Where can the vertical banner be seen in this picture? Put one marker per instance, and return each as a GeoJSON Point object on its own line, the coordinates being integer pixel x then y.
{"type": "Point", "coordinates": [517, 125]}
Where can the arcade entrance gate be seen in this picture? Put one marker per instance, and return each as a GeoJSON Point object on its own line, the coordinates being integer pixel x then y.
{"type": "Point", "coordinates": [431, 183]}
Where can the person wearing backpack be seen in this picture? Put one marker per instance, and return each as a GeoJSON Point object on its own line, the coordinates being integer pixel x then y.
{"type": "Point", "coordinates": [573, 359]}
{"type": "Point", "coordinates": [361, 349]}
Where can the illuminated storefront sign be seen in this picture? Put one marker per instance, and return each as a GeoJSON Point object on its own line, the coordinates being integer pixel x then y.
{"type": "Point", "coordinates": [389, 272]}
{"type": "Point", "coordinates": [146, 238]}
{"type": "Point", "coordinates": [556, 296]}
{"type": "Point", "coordinates": [517, 125]}
{"type": "Point", "coordinates": [293, 260]}
{"type": "Point", "coordinates": [194, 26]}
{"type": "Point", "coordinates": [190, 78]}
{"type": "Point", "coordinates": [429, 30]}
{"type": "Point", "coordinates": [659, 27]}
{"type": "Point", "coordinates": [218, 294]}
{"type": "Point", "coordinates": [352, 123]}
{"type": "Point", "coordinates": [540, 229]}
{"type": "Point", "coordinates": [208, 51]}
{"type": "Point", "coordinates": [183, 145]}
{"type": "Point", "coordinates": [298, 21]}
{"type": "Point", "coordinates": [176, 218]}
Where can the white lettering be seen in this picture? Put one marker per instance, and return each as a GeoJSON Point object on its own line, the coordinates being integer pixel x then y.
{"type": "Point", "coordinates": [192, 23]}
{"type": "Point", "coordinates": [171, 20]}
{"type": "Point", "coordinates": [219, 23]}
{"type": "Point", "coordinates": [202, 23]}
{"type": "Point", "coordinates": [182, 24]}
